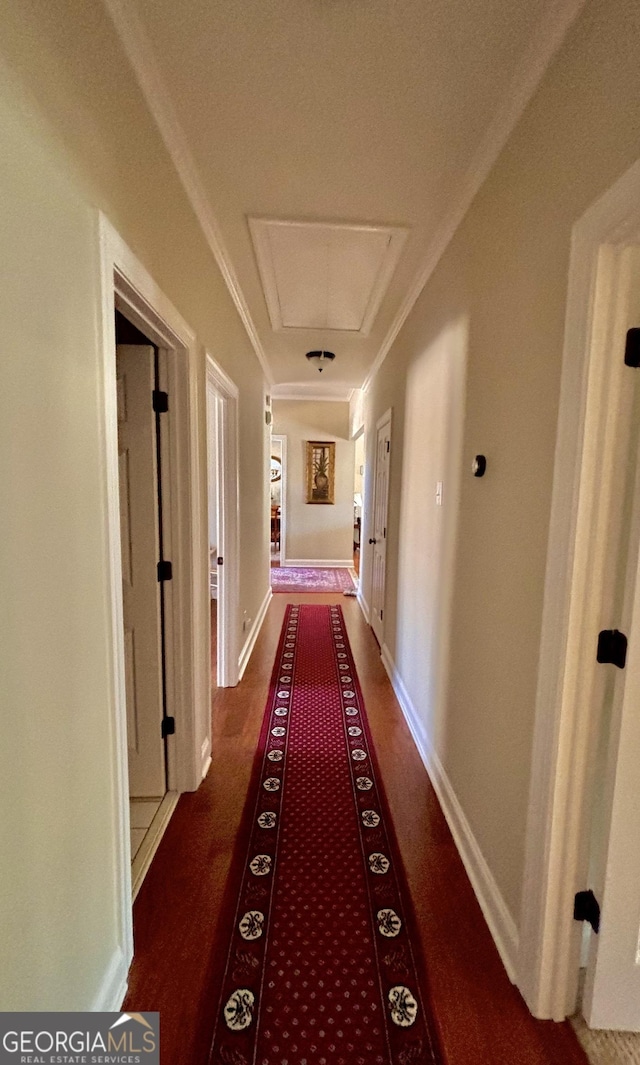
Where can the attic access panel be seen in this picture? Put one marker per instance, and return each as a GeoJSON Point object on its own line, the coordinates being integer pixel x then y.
{"type": "Point", "coordinates": [325, 275]}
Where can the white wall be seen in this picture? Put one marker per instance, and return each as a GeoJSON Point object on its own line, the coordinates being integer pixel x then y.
{"type": "Point", "coordinates": [76, 137]}
{"type": "Point", "coordinates": [59, 923]}
{"type": "Point", "coordinates": [432, 445]}
{"type": "Point", "coordinates": [317, 532]}
{"type": "Point", "coordinates": [476, 369]}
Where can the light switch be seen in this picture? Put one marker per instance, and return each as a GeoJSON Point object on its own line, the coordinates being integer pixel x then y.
{"type": "Point", "coordinates": [438, 493]}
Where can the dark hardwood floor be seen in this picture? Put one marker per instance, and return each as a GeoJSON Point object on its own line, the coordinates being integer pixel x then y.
{"type": "Point", "coordinates": [481, 1017]}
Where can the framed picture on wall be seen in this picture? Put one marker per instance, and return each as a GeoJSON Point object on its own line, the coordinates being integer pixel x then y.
{"type": "Point", "coordinates": [321, 476]}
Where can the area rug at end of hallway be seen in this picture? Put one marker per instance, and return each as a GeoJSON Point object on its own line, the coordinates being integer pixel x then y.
{"type": "Point", "coordinates": [323, 963]}
{"type": "Point", "coordinates": [292, 579]}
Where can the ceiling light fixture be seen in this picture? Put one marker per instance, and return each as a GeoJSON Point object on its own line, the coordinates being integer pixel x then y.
{"type": "Point", "coordinates": [319, 358]}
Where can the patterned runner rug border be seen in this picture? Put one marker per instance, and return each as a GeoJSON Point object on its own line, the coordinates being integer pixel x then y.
{"type": "Point", "coordinates": [225, 925]}
{"type": "Point", "coordinates": [214, 985]}
{"type": "Point", "coordinates": [415, 941]}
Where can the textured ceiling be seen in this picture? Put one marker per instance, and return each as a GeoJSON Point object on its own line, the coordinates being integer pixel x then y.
{"type": "Point", "coordinates": [358, 111]}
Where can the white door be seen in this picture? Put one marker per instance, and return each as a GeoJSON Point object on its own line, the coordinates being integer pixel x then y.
{"type": "Point", "coordinates": [612, 993]}
{"type": "Point", "coordinates": [140, 555]}
{"type": "Point", "coordinates": [379, 538]}
{"type": "Point", "coordinates": [612, 989]}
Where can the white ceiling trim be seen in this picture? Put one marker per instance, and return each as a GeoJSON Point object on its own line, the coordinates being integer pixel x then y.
{"type": "Point", "coordinates": [544, 44]}
{"type": "Point", "coordinates": [261, 231]}
{"type": "Point", "coordinates": [330, 394]}
{"type": "Point", "coordinates": [142, 58]}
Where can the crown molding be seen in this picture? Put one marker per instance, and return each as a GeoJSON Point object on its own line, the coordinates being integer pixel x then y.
{"type": "Point", "coordinates": [141, 56]}
{"type": "Point", "coordinates": [544, 44]}
{"type": "Point", "coordinates": [315, 393]}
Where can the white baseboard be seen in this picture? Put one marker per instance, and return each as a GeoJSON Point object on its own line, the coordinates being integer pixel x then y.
{"type": "Point", "coordinates": [320, 563]}
{"type": "Point", "coordinates": [114, 985]}
{"type": "Point", "coordinates": [364, 606]}
{"type": "Point", "coordinates": [249, 644]}
{"type": "Point", "coordinates": [496, 913]}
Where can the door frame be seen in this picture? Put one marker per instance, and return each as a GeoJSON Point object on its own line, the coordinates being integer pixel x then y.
{"type": "Point", "coordinates": [362, 602]}
{"type": "Point", "coordinates": [557, 842]}
{"type": "Point", "coordinates": [360, 433]}
{"type": "Point", "coordinates": [228, 523]}
{"type": "Point", "coordinates": [384, 419]}
{"type": "Point", "coordinates": [283, 497]}
{"type": "Point", "coordinates": [126, 284]}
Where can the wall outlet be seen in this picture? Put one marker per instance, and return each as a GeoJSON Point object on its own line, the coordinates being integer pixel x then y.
{"type": "Point", "coordinates": [438, 493]}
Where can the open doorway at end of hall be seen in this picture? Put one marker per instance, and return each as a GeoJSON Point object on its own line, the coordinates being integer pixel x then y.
{"type": "Point", "coordinates": [277, 488]}
{"type": "Point", "coordinates": [138, 375]}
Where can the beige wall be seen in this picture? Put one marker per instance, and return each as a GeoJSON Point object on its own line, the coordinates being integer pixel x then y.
{"type": "Point", "coordinates": [314, 531]}
{"type": "Point", "coordinates": [476, 368]}
{"type": "Point", "coordinates": [76, 136]}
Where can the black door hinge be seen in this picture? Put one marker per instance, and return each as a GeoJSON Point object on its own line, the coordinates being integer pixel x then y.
{"type": "Point", "coordinates": [165, 571]}
{"type": "Point", "coordinates": [388, 446]}
{"type": "Point", "coordinates": [632, 348]}
{"type": "Point", "coordinates": [168, 726]}
{"type": "Point", "coordinates": [612, 647]}
{"type": "Point", "coordinates": [160, 401]}
{"type": "Point", "coordinates": [587, 908]}
{"type": "Point", "coordinates": [220, 560]}
{"type": "Point", "coordinates": [381, 615]}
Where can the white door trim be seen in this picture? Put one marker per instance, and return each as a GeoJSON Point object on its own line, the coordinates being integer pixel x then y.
{"type": "Point", "coordinates": [228, 523]}
{"type": "Point", "coordinates": [362, 602]}
{"type": "Point", "coordinates": [127, 285]}
{"type": "Point", "coordinates": [557, 835]}
{"type": "Point", "coordinates": [383, 420]}
{"type": "Point", "coordinates": [283, 497]}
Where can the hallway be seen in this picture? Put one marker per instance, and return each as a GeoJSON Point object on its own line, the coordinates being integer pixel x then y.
{"type": "Point", "coordinates": [481, 1017]}
{"type": "Point", "coordinates": [385, 225]}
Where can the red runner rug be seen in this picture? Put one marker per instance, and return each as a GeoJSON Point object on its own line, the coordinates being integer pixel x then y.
{"type": "Point", "coordinates": [323, 966]}
{"type": "Point", "coordinates": [290, 579]}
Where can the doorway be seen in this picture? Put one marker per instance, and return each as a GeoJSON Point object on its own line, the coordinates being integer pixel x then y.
{"type": "Point", "coordinates": [140, 465]}
{"type": "Point", "coordinates": [358, 499]}
{"type": "Point", "coordinates": [278, 500]}
{"type": "Point", "coordinates": [583, 815]}
{"type": "Point", "coordinates": [126, 286]}
{"type": "Point", "coordinates": [223, 526]}
{"type": "Point", "coordinates": [378, 540]}
{"type": "Point", "coordinates": [142, 549]}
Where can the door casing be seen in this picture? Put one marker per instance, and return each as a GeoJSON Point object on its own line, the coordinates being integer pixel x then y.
{"type": "Point", "coordinates": [228, 523]}
{"type": "Point", "coordinates": [126, 285]}
{"type": "Point", "coordinates": [557, 843]}
{"type": "Point", "coordinates": [379, 511]}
